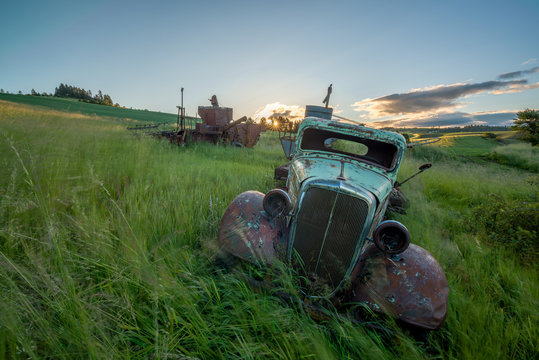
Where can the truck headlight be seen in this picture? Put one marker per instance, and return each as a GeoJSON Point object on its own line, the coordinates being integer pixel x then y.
{"type": "Point", "coordinates": [391, 237]}
{"type": "Point", "coordinates": [277, 202]}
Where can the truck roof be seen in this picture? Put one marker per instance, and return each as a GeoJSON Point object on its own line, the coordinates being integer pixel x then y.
{"type": "Point", "coordinates": [355, 129]}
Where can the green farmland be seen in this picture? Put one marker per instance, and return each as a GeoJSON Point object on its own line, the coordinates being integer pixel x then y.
{"type": "Point", "coordinates": [84, 108]}
{"type": "Point", "coordinates": [108, 246]}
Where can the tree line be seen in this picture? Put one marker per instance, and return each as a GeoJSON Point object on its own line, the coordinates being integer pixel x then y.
{"type": "Point", "coordinates": [68, 91]}
{"type": "Point", "coordinates": [73, 92]}
{"type": "Point", "coordinates": [441, 130]}
{"type": "Point", "coordinates": [281, 124]}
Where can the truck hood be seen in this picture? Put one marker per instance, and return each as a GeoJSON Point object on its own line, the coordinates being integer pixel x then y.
{"type": "Point", "coordinates": [355, 174]}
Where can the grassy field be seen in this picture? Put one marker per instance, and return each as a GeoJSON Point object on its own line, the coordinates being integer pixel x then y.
{"type": "Point", "coordinates": [518, 155]}
{"type": "Point", "coordinates": [75, 106]}
{"type": "Point", "coordinates": [107, 247]}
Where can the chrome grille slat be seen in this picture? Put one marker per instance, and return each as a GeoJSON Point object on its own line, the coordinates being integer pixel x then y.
{"type": "Point", "coordinates": [349, 219]}
{"type": "Point", "coordinates": [343, 234]}
{"type": "Point", "coordinates": [312, 222]}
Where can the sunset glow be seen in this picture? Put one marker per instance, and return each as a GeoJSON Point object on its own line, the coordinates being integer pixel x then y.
{"type": "Point", "coordinates": [274, 110]}
{"type": "Point", "coordinates": [384, 61]}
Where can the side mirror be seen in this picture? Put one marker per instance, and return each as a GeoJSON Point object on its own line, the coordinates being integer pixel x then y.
{"type": "Point", "coordinates": [425, 167]}
{"type": "Point", "coordinates": [421, 169]}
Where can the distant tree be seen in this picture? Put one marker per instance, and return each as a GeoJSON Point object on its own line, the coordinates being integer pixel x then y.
{"type": "Point", "coordinates": [107, 100]}
{"type": "Point", "coordinates": [490, 135]}
{"type": "Point", "coordinates": [1, 91]}
{"type": "Point", "coordinates": [295, 126]}
{"type": "Point", "coordinates": [61, 91]}
{"type": "Point", "coordinates": [34, 93]}
{"type": "Point", "coordinates": [406, 137]}
{"type": "Point", "coordinates": [20, 92]}
{"type": "Point", "coordinates": [284, 124]}
{"type": "Point", "coordinates": [526, 123]}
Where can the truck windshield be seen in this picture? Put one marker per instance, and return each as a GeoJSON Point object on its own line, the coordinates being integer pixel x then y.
{"type": "Point", "coordinates": [373, 151]}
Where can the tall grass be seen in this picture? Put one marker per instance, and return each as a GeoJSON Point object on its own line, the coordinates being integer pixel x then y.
{"type": "Point", "coordinates": [493, 298]}
{"type": "Point", "coordinates": [520, 155]}
{"type": "Point", "coordinates": [107, 245]}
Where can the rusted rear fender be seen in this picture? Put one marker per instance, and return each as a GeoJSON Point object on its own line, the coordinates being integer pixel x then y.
{"type": "Point", "coordinates": [411, 286]}
{"type": "Point", "coordinates": [247, 232]}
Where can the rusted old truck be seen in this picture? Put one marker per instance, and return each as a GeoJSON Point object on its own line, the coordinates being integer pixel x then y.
{"type": "Point", "coordinates": [328, 225]}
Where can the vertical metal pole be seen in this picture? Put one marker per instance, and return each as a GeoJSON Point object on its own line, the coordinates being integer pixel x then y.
{"type": "Point", "coordinates": [183, 113]}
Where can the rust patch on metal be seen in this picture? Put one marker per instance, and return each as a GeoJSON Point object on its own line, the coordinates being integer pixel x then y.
{"type": "Point", "coordinates": [247, 232]}
{"type": "Point", "coordinates": [410, 286]}
{"type": "Point", "coordinates": [217, 125]}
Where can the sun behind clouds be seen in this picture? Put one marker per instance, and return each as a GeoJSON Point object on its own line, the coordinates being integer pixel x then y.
{"type": "Point", "coordinates": [276, 109]}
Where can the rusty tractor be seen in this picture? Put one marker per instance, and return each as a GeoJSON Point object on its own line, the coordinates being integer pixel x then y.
{"type": "Point", "coordinates": [216, 126]}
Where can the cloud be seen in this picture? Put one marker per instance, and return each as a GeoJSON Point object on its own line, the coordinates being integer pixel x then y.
{"type": "Point", "coordinates": [336, 110]}
{"type": "Point", "coordinates": [515, 74]}
{"type": "Point", "coordinates": [427, 101]}
{"type": "Point", "coordinates": [492, 118]}
{"type": "Point", "coordinates": [529, 61]}
{"type": "Point", "coordinates": [515, 89]}
{"type": "Point", "coordinates": [274, 110]}
{"type": "Point", "coordinates": [441, 105]}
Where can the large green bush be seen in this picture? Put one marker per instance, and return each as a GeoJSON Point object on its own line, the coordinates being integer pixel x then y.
{"type": "Point", "coordinates": [511, 224]}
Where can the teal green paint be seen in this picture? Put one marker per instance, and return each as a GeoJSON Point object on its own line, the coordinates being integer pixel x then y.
{"type": "Point", "coordinates": [327, 165]}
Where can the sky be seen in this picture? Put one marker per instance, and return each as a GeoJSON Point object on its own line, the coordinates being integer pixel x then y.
{"type": "Point", "coordinates": [391, 63]}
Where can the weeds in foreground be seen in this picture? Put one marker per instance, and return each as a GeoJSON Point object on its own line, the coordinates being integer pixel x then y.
{"type": "Point", "coordinates": [107, 249]}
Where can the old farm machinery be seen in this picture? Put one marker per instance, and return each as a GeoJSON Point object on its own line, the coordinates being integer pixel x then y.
{"type": "Point", "coordinates": [215, 125]}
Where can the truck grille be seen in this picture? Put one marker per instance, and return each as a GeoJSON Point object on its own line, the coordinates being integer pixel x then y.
{"type": "Point", "coordinates": [328, 231]}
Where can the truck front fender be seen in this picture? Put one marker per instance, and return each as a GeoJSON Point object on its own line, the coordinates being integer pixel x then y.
{"type": "Point", "coordinates": [410, 286]}
{"type": "Point", "coordinates": [247, 232]}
